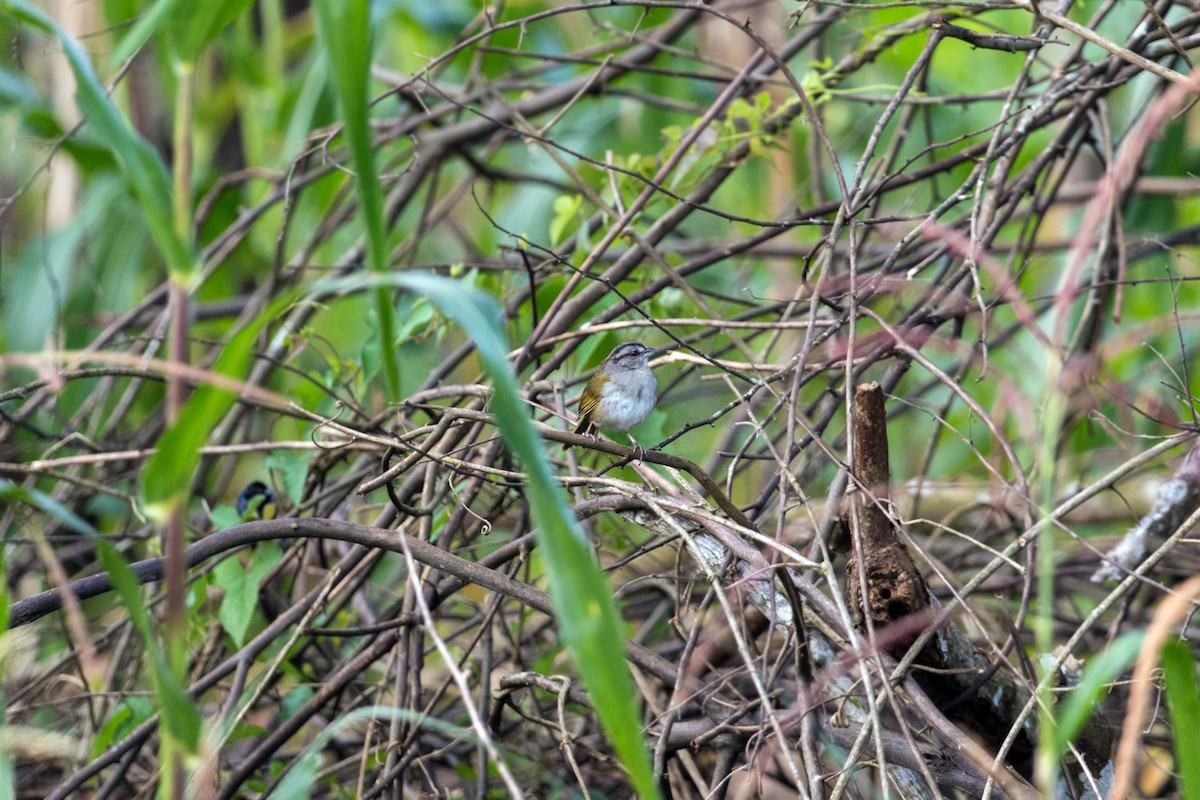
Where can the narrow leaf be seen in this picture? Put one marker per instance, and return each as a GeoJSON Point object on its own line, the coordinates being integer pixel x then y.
{"type": "Point", "coordinates": [43, 502]}
{"type": "Point", "coordinates": [200, 23]}
{"type": "Point", "coordinates": [180, 716]}
{"type": "Point", "coordinates": [1099, 673]}
{"type": "Point", "coordinates": [344, 27]}
{"type": "Point", "coordinates": [139, 162]}
{"type": "Point", "coordinates": [167, 475]}
{"type": "Point", "coordinates": [1183, 701]}
{"type": "Point", "coordinates": [148, 24]}
{"type": "Point", "coordinates": [587, 616]}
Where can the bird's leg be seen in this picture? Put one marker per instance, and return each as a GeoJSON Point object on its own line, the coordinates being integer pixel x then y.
{"type": "Point", "coordinates": [639, 452]}
{"type": "Point", "coordinates": [593, 434]}
{"type": "Point", "coordinates": [589, 431]}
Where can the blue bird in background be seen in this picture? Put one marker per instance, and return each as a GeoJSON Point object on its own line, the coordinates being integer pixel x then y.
{"type": "Point", "coordinates": [257, 501]}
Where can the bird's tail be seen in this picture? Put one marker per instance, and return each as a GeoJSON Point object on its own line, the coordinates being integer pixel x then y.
{"type": "Point", "coordinates": [583, 426]}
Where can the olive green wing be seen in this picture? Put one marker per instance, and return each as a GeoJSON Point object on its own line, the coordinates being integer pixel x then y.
{"type": "Point", "coordinates": [588, 402]}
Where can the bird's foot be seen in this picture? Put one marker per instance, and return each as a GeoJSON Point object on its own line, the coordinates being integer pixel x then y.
{"type": "Point", "coordinates": [639, 452]}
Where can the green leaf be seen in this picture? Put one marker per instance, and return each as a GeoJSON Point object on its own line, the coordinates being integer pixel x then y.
{"type": "Point", "coordinates": [225, 517]}
{"type": "Point", "coordinates": [132, 712]}
{"type": "Point", "coordinates": [245, 731]}
{"type": "Point", "coordinates": [148, 24]}
{"type": "Point", "coordinates": [1183, 701]}
{"type": "Point", "coordinates": [181, 718]}
{"type": "Point", "coordinates": [298, 783]}
{"type": "Point", "coordinates": [344, 28]}
{"type": "Point", "coordinates": [240, 585]}
{"type": "Point", "coordinates": [199, 24]}
{"type": "Point", "coordinates": [565, 208]}
{"type": "Point", "coordinates": [167, 475]}
{"type": "Point", "coordinates": [294, 700]}
{"type": "Point", "coordinates": [416, 315]}
{"type": "Point", "coordinates": [813, 84]}
{"type": "Point", "coordinates": [371, 354]}
{"type": "Point", "coordinates": [740, 109]}
{"type": "Point", "coordinates": [588, 622]}
{"type": "Point", "coordinates": [139, 161]}
{"type": "Point", "coordinates": [293, 468]}
{"type": "Point", "coordinates": [1101, 670]}
{"type": "Point", "coordinates": [17, 91]}
{"type": "Point", "coordinates": [108, 732]}
{"type": "Point", "coordinates": [192, 26]}
{"type": "Point", "coordinates": [43, 502]}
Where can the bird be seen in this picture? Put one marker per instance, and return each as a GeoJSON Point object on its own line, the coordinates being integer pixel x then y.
{"type": "Point", "coordinates": [621, 393]}
{"type": "Point", "coordinates": [257, 501]}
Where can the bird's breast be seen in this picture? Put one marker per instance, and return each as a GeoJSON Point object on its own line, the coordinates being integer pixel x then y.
{"type": "Point", "coordinates": [626, 401]}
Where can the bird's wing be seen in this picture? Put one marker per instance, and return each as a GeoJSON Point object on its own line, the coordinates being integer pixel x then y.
{"type": "Point", "coordinates": [587, 404]}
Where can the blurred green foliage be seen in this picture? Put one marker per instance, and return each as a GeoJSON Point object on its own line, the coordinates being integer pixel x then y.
{"type": "Point", "coordinates": [276, 194]}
